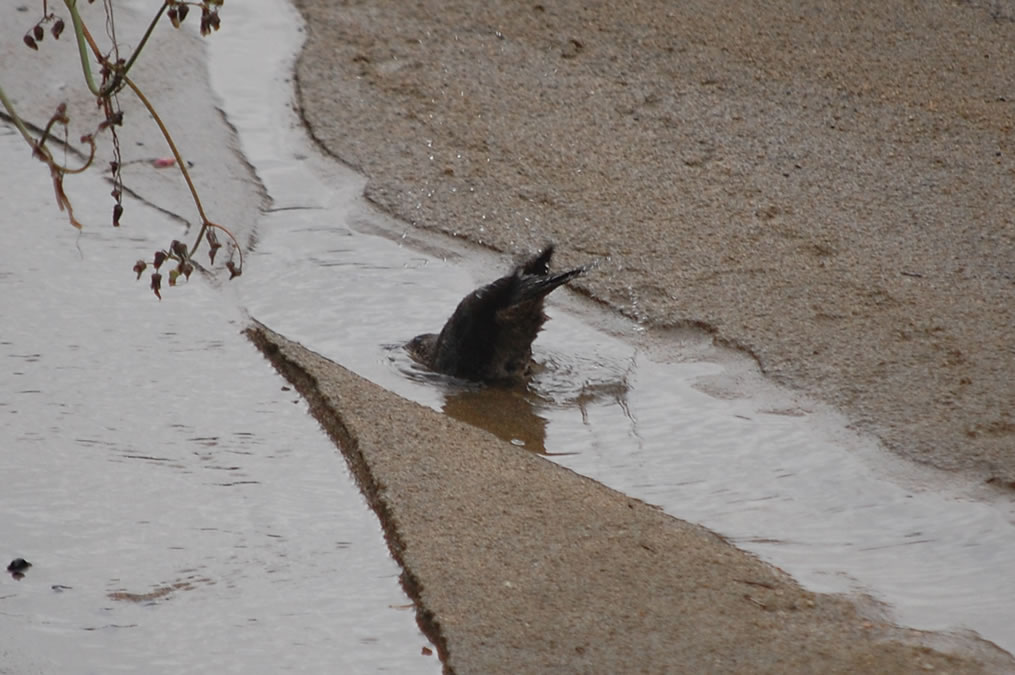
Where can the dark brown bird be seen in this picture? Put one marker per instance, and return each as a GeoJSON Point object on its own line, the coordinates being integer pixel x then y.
{"type": "Point", "coordinates": [489, 336]}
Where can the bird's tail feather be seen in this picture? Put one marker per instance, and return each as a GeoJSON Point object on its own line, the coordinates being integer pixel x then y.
{"type": "Point", "coordinates": [533, 287]}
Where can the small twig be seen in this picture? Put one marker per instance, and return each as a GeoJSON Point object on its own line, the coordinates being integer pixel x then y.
{"type": "Point", "coordinates": [172, 146]}
{"type": "Point", "coordinates": [762, 584]}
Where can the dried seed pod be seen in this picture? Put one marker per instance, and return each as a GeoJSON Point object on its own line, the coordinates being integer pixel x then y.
{"type": "Point", "coordinates": [179, 249]}
{"type": "Point", "coordinates": [117, 212]}
{"type": "Point", "coordinates": [174, 17]}
{"type": "Point", "coordinates": [57, 29]}
{"type": "Point", "coordinates": [213, 244]}
{"type": "Point", "coordinates": [157, 284]}
{"type": "Point", "coordinates": [187, 269]}
{"type": "Point", "coordinates": [182, 10]}
{"type": "Point", "coordinates": [173, 276]}
{"type": "Point", "coordinates": [30, 41]}
{"type": "Point", "coordinates": [234, 271]}
{"type": "Point", "coordinates": [39, 32]}
{"type": "Point", "coordinates": [160, 257]}
{"type": "Point", "coordinates": [139, 267]}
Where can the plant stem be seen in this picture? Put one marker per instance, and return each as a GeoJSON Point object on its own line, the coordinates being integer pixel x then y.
{"type": "Point", "coordinates": [9, 107]}
{"type": "Point", "coordinates": [83, 36]}
{"type": "Point", "coordinates": [80, 33]}
{"type": "Point", "coordinates": [144, 40]}
{"type": "Point", "coordinates": [176, 153]}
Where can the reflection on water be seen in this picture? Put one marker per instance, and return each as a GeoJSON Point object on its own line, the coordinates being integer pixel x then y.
{"type": "Point", "coordinates": [519, 412]}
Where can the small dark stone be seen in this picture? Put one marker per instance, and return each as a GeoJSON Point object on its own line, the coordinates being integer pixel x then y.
{"type": "Point", "coordinates": [489, 336]}
{"type": "Point", "coordinates": [18, 565]}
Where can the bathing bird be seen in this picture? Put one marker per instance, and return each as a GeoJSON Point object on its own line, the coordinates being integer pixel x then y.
{"type": "Point", "coordinates": [489, 336]}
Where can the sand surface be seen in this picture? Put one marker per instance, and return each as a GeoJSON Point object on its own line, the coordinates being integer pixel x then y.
{"type": "Point", "coordinates": [825, 185]}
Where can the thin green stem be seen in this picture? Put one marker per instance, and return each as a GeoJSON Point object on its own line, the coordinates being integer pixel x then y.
{"type": "Point", "coordinates": [79, 33]}
{"type": "Point", "coordinates": [85, 40]}
{"type": "Point", "coordinates": [144, 40]}
{"type": "Point", "coordinates": [9, 107]}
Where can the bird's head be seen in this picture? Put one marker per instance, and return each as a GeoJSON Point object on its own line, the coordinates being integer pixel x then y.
{"type": "Point", "coordinates": [422, 348]}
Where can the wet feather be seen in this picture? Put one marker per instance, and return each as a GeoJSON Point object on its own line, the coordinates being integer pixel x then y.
{"type": "Point", "coordinates": [489, 336]}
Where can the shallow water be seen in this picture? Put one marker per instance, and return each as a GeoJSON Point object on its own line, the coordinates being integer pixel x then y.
{"type": "Point", "coordinates": [780, 477]}
{"type": "Point", "coordinates": [182, 511]}
{"type": "Point", "coordinates": [666, 418]}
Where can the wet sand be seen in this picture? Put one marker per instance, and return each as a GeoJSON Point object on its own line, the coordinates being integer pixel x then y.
{"type": "Point", "coordinates": [825, 186]}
